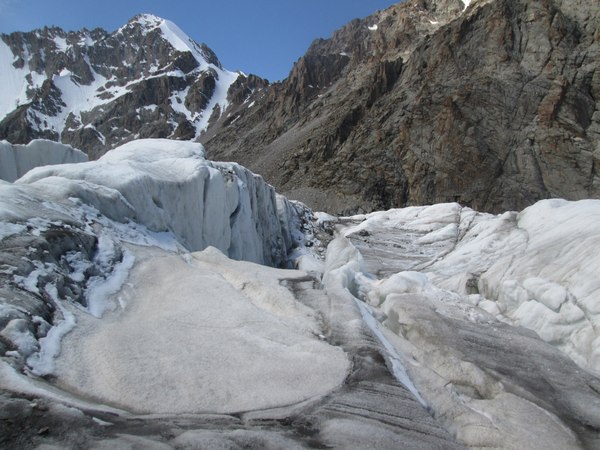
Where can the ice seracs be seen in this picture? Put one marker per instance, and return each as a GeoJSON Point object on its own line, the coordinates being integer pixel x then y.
{"type": "Point", "coordinates": [168, 185]}
{"type": "Point", "coordinates": [16, 160]}
{"type": "Point", "coordinates": [535, 268]}
{"type": "Point", "coordinates": [78, 218]}
{"type": "Point", "coordinates": [455, 290]}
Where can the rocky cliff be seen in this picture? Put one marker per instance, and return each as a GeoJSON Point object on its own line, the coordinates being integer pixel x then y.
{"type": "Point", "coordinates": [96, 90]}
{"type": "Point", "coordinates": [491, 103]}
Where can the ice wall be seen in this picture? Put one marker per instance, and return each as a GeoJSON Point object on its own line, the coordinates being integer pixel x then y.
{"type": "Point", "coordinates": [169, 186]}
{"type": "Point", "coordinates": [16, 160]}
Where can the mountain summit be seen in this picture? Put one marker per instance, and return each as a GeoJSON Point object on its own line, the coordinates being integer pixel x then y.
{"type": "Point", "coordinates": [96, 90]}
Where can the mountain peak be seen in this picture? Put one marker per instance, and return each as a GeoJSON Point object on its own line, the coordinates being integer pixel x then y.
{"type": "Point", "coordinates": [64, 86]}
{"type": "Point", "coordinates": [150, 24]}
{"type": "Point", "coordinates": [146, 20]}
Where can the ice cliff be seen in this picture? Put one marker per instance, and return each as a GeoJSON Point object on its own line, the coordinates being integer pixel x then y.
{"type": "Point", "coordinates": [169, 186]}
{"type": "Point", "coordinates": [16, 160]}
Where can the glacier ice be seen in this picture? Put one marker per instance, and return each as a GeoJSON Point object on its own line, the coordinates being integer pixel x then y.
{"type": "Point", "coordinates": [16, 160]}
{"type": "Point", "coordinates": [168, 185]}
{"type": "Point", "coordinates": [143, 237]}
{"type": "Point", "coordinates": [537, 268]}
{"type": "Point", "coordinates": [202, 333]}
{"type": "Point", "coordinates": [78, 219]}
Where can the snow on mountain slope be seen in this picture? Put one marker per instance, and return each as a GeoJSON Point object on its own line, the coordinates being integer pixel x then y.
{"type": "Point", "coordinates": [96, 90]}
{"type": "Point", "coordinates": [16, 160]}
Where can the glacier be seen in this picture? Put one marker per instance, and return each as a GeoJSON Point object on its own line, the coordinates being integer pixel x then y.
{"type": "Point", "coordinates": [168, 185]}
{"type": "Point", "coordinates": [149, 299]}
{"type": "Point", "coordinates": [17, 159]}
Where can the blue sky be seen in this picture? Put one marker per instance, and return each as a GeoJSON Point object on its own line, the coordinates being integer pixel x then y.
{"type": "Point", "coordinates": [264, 37]}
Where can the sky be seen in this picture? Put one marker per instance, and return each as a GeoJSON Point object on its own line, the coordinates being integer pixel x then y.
{"type": "Point", "coordinates": [263, 37]}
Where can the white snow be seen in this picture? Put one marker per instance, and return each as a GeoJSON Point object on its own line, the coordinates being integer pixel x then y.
{"type": "Point", "coordinates": [219, 98]}
{"type": "Point", "coordinates": [373, 27]}
{"type": "Point", "coordinates": [154, 193]}
{"type": "Point", "coordinates": [14, 85]}
{"type": "Point", "coordinates": [42, 362]}
{"type": "Point", "coordinates": [100, 289]}
{"type": "Point", "coordinates": [61, 43]}
{"type": "Point", "coordinates": [8, 229]}
{"type": "Point", "coordinates": [17, 332]}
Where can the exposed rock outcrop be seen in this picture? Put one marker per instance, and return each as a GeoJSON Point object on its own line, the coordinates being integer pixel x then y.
{"type": "Point", "coordinates": [494, 105]}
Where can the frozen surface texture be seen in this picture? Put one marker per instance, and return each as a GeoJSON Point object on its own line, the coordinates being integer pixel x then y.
{"type": "Point", "coordinates": [62, 230]}
{"type": "Point", "coordinates": [17, 160]}
{"type": "Point", "coordinates": [427, 327]}
{"type": "Point", "coordinates": [538, 268]}
{"type": "Point", "coordinates": [202, 334]}
{"type": "Point", "coordinates": [455, 289]}
{"type": "Point", "coordinates": [168, 186]}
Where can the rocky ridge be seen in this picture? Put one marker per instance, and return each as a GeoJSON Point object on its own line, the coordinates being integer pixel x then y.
{"type": "Point", "coordinates": [492, 103]}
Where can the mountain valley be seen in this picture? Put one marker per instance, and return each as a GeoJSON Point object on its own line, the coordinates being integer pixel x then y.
{"type": "Point", "coordinates": [403, 254]}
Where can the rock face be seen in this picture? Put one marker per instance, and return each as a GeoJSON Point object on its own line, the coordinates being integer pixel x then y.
{"type": "Point", "coordinates": [494, 105]}
{"type": "Point", "coordinates": [96, 90]}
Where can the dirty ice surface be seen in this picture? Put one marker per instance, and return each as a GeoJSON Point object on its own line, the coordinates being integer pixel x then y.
{"type": "Point", "coordinates": [539, 268]}
{"type": "Point", "coordinates": [201, 333]}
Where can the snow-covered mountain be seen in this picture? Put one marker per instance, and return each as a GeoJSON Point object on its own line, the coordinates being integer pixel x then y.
{"type": "Point", "coordinates": [96, 90]}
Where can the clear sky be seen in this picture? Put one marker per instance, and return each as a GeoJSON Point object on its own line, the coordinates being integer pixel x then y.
{"type": "Point", "coordinates": [263, 37]}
